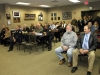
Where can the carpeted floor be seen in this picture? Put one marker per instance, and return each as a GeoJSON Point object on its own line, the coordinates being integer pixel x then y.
{"type": "Point", "coordinates": [40, 63]}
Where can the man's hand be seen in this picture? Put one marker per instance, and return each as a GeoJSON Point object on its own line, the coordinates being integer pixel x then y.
{"type": "Point", "coordinates": [65, 48]}
{"type": "Point", "coordinates": [45, 33]}
{"type": "Point", "coordinates": [34, 32]}
{"type": "Point", "coordinates": [85, 51]}
{"type": "Point", "coordinates": [81, 51]}
{"type": "Point", "coordinates": [14, 39]}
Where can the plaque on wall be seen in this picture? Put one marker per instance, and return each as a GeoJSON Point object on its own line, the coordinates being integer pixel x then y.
{"type": "Point", "coordinates": [29, 17]}
{"type": "Point", "coordinates": [66, 15]}
{"type": "Point", "coordinates": [16, 19]}
{"type": "Point", "coordinates": [58, 18]}
{"type": "Point", "coordinates": [16, 13]}
{"type": "Point", "coordinates": [40, 17]}
{"type": "Point", "coordinates": [7, 16]}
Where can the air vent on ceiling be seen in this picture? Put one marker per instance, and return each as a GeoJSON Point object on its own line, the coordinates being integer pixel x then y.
{"type": "Point", "coordinates": [54, 1]}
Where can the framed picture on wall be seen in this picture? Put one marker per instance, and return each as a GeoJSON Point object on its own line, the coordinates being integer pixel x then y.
{"type": "Point", "coordinates": [66, 15]}
{"type": "Point", "coordinates": [16, 13]}
{"type": "Point", "coordinates": [55, 14]}
{"type": "Point", "coordinates": [29, 17]}
{"type": "Point", "coordinates": [8, 16]}
{"type": "Point", "coordinates": [51, 14]}
{"type": "Point", "coordinates": [58, 18]}
{"type": "Point", "coordinates": [51, 18]}
{"type": "Point", "coordinates": [40, 17]}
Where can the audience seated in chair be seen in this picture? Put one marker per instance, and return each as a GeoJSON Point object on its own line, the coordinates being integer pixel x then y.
{"type": "Point", "coordinates": [17, 37]}
{"type": "Point", "coordinates": [86, 44]}
{"type": "Point", "coordinates": [6, 36]}
{"type": "Point", "coordinates": [2, 34]}
{"type": "Point", "coordinates": [68, 43]}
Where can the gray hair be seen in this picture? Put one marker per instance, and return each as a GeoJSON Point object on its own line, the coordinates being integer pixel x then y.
{"type": "Point", "coordinates": [70, 25]}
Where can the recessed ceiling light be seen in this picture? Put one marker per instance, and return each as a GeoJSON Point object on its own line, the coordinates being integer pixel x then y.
{"type": "Point", "coordinates": [44, 5]}
{"type": "Point", "coordinates": [23, 3]}
{"type": "Point", "coordinates": [74, 1]}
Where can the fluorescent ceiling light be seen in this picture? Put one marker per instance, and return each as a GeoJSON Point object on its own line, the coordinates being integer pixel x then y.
{"type": "Point", "coordinates": [23, 3]}
{"type": "Point", "coordinates": [44, 5]}
{"type": "Point", "coordinates": [74, 1]}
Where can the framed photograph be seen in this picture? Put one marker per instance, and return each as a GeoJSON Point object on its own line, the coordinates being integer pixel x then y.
{"type": "Point", "coordinates": [55, 14]}
{"type": "Point", "coordinates": [58, 18]}
{"type": "Point", "coordinates": [8, 16]}
{"type": "Point", "coordinates": [29, 17]}
{"type": "Point", "coordinates": [16, 19]}
{"type": "Point", "coordinates": [51, 18]}
{"type": "Point", "coordinates": [51, 14]}
{"type": "Point", "coordinates": [40, 17]}
{"type": "Point", "coordinates": [16, 13]}
{"type": "Point", "coordinates": [66, 15]}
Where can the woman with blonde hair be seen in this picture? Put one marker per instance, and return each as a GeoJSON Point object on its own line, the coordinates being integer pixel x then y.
{"type": "Point", "coordinates": [6, 36]}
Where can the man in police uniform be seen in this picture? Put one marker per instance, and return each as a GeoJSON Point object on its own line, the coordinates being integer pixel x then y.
{"type": "Point", "coordinates": [48, 36]}
{"type": "Point", "coordinates": [17, 35]}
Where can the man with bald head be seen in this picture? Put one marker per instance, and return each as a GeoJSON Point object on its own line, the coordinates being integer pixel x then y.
{"type": "Point", "coordinates": [38, 28]}
{"type": "Point", "coordinates": [86, 44]}
{"type": "Point", "coordinates": [68, 43]}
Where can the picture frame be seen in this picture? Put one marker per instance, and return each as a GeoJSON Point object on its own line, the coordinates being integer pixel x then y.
{"type": "Point", "coordinates": [16, 19]}
{"type": "Point", "coordinates": [8, 16]}
{"type": "Point", "coordinates": [40, 17]}
{"type": "Point", "coordinates": [16, 13]}
{"type": "Point", "coordinates": [55, 14]}
{"type": "Point", "coordinates": [66, 15]}
{"type": "Point", "coordinates": [58, 18]}
{"type": "Point", "coordinates": [51, 18]}
{"type": "Point", "coordinates": [29, 16]}
{"type": "Point", "coordinates": [51, 14]}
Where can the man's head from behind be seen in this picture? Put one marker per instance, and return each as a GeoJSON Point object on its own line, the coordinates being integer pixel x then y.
{"type": "Point", "coordinates": [38, 25]}
{"type": "Point", "coordinates": [86, 29]}
{"type": "Point", "coordinates": [89, 24]}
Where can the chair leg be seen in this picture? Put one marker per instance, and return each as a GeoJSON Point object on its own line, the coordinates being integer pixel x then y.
{"type": "Point", "coordinates": [36, 47]}
{"type": "Point", "coordinates": [43, 47]}
{"type": "Point", "coordinates": [24, 49]}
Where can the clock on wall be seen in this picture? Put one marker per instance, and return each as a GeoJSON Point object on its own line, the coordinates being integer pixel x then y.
{"type": "Point", "coordinates": [90, 8]}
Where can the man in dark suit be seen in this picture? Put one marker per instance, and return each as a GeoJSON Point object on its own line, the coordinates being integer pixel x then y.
{"type": "Point", "coordinates": [2, 34]}
{"type": "Point", "coordinates": [48, 37]}
{"type": "Point", "coordinates": [86, 44]}
{"type": "Point", "coordinates": [84, 22]}
{"type": "Point", "coordinates": [16, 37]}
{"type": "Point", "coordinates": [80, 24]}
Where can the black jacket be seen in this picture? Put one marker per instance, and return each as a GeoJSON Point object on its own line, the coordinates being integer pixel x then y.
{"type": "Point", "coordinates": [18, 35]}
{"type": "Point", "coordinates": [92, 41]}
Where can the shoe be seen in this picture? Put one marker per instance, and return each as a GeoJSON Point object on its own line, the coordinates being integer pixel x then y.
{"type": "Point", "coordinates": [74, 69]}
{"type": "Point", "coordinates": [62, 61]}
{"type": "Point", "coordinates": [88, 73]}
{"type": "Point", "coordinates": [9, 50]}
{"type": "Point", "coordinates": [69, 64]}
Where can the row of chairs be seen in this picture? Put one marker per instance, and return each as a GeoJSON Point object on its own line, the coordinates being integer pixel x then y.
{"type": "Point", "coordinates": [32, 43]}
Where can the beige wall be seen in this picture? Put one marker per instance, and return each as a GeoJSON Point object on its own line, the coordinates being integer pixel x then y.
{"type": "Point", "coordinates": [1, 16]}
{"type": "Point", "coordinates": [73, 8]}
{"type": "Point", "coordinates": [29, 10]}
{"type": "Point", "coordinates": [46, 13]}
{"type": "Point", "coordinates": [23, 10]}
